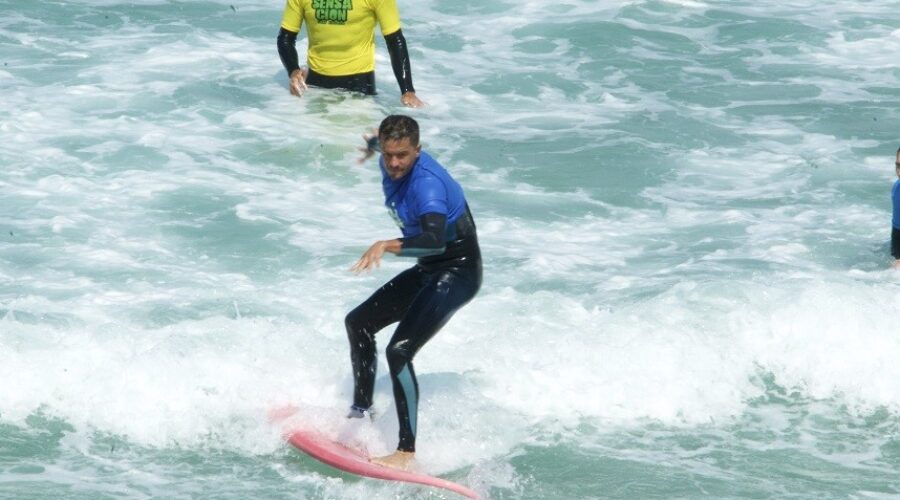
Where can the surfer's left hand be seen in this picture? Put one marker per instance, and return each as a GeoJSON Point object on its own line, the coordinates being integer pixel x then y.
{"type": "Point", "coordinates": [372, 146]}
{"type": "Point", "coordinates": [410, 100]}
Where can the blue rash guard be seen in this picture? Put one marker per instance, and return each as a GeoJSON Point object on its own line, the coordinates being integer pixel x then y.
{"type": "Point", "coordinates": [895, 198]}
{"type": "Point", "coordinates": [414, 200]}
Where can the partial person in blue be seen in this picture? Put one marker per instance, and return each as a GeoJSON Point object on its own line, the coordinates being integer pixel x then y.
{"type": "Point", "coordinates": [895, 220]}
{"type": "Point", "coordinates": [431, 210]}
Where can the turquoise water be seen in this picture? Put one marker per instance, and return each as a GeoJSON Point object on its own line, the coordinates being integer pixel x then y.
{"type": "Point", "coordinates": [684, 208]}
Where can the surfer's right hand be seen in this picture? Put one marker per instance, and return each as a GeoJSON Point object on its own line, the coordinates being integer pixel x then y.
{"type": "Point", "coordinates": [370, 259]}
{"type": "Point", "coordinates": [298, 82]}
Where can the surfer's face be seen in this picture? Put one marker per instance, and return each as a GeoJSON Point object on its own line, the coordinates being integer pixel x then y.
{"type": "Point", "coordinates": [897, 164]}
{"type": "Point", "coordinates": [399, 156]}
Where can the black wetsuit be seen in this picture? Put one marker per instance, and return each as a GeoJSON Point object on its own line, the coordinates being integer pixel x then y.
{"type": "Point", "coordinates": [423, 298]}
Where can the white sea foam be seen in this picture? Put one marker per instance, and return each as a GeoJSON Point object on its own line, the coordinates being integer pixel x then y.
{"type": "Point", "coordinates": [175, 256]}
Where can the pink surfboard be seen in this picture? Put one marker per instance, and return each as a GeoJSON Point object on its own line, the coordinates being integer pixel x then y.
{"type": "Point", "coordinates": [350, 460]}
{"type": "Point", "coordinates": [356, 462]}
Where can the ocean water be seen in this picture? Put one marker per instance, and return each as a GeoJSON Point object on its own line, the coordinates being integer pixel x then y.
{"type": "Point", "coordinates": [684, 208]}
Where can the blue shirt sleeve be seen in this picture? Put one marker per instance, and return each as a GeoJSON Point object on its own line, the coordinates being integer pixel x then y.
{"type": "Point", "coordinates": [430, 196]}
{"type": "Point", "coordinates": [895, 201]}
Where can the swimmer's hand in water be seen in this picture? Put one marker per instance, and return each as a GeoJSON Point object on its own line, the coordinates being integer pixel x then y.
{"type": "Point", "coordinates": [410, 100]}
{"type": "Point", "coordinates": [298, 81]}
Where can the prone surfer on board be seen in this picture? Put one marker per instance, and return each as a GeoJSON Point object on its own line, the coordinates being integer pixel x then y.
{"type": "Point", "coordinates": [431, 210]}
{"type": "Point", "coordinates": [341, 51]}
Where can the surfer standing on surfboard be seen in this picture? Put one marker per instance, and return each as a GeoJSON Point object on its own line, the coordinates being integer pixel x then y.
{"type": "Point", "coordinates": [341, 51]}
{"type": "Point", "coordinates": [437, 226]}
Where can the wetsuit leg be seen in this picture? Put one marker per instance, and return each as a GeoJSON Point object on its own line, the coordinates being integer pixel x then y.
{"type": "Point", "coordinates": [387, 305]}
{"type": "Point", "coordinates": [895, 243]}
{"type": "Point", "coordinates": [445, 292]}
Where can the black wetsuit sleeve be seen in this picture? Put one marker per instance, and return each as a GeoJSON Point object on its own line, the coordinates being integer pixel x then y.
{"type": "Point", "coordinates": [431, 241]}
{"type": "Point", "coordinates": [396, 45]}
{"type": "Point", "coordinates": [287, 50]}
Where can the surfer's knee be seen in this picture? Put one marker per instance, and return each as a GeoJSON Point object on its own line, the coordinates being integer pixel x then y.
{"type": "Point", "coordinates": [355, 326]}
{"type": "Point", "coordinates": [397, 356]}
{"type": "Point", "coordinates": [350, 322]}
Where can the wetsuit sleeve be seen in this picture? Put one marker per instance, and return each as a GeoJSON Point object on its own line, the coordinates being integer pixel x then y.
{"type": "Point", "coordinates": [430, 203]}
{"type": "Point", "coordinates": [287, 50]}
{"type": "Point", "coordinates": [431, 241]}
{"type": "Point", "coordinates": [389, 19]}
{"type": "Point", "coordinates": [291, 21]}
{"type": "Point", "coordinates": [396, 45]}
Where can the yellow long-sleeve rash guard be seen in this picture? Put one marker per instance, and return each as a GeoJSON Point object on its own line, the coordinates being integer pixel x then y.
{"type": "Point", "coordinates": [341, 32]}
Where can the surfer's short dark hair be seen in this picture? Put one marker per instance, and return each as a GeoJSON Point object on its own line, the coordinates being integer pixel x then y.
{"type": "Point", "coordinates": [397, 127]}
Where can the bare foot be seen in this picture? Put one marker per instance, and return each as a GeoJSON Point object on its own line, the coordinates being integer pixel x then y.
{"type": "Point", "coordinates": [397, 460]}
